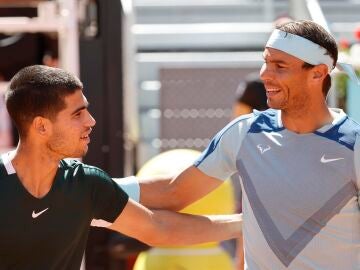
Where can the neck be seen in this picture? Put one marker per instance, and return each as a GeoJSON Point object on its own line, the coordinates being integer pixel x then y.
{"type": "Point", "coordinates": [35, 168]}
{"type": "Point", "coordinates": [308, 120]}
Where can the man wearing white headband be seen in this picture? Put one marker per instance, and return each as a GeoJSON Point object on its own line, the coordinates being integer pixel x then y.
{"type": "Point", "coordinates": [299, 163]}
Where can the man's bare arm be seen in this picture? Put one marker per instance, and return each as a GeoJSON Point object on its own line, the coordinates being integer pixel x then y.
{"type": "Point", "coordinates": [175, 193]}
{"type": "Point", "coordinates": [162, 227]}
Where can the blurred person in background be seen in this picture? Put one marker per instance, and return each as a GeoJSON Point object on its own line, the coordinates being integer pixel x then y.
{"type": "Point", "coordinates": [250, 95]}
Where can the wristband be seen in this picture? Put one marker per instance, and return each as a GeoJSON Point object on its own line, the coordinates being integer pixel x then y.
{"type": "Point", "coordinates": [131, 187]}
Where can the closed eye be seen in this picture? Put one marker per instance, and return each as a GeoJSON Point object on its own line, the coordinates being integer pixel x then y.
{"type": "Point", "coordinates": [77, 114]}
{"type": "Point", "coordinates": [280, 66]}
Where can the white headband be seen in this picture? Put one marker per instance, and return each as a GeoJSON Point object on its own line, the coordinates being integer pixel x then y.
{"type": "Point", "coordinates": [300, 47]}
{"type": "Point", "coordinates": [307, 51]}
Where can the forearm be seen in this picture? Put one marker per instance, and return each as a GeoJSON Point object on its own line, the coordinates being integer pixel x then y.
{"type": "Point", "coordinates": [159, 193]}
{"type": "Point", "coordinates": [176, 192]}
{"type": "Point", "coordinates": [185, 229]}
{"type": "Point", "coordinates": [172, 192]}
{"type": "Point", "coordinates": [162, 227]}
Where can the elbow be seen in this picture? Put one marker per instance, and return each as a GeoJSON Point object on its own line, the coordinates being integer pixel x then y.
{"type": "Point", "coordinates": [161, 232]}
{"type": "Point", "coordinates": [157, 238]}
{"type": "Point", "coordinates": [159, 241]}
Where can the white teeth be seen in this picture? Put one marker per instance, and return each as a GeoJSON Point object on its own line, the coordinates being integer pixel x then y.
{"type": "Point", "coordinates": [272, 90]}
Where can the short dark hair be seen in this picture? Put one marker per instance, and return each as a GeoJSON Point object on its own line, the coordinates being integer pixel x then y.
{"type": "Point", "coordinates": [38, 91]}
{"type": "Point", "coordinates": [317, 34]}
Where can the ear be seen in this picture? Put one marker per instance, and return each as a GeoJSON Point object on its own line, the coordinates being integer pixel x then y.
{"type": "Point", "coordinates": [319, 72]}
{"type": "Point", "coordinates": [41, 125]}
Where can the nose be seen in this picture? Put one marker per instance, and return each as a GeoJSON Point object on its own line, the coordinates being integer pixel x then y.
{"type": "Point", "coordinates": [265, 72]}
{"type": "Point", "coordinates": [91, 120]}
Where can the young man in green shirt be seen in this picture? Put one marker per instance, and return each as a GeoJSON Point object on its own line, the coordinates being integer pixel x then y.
{"type": "Point", "coordinates": [47, 204]}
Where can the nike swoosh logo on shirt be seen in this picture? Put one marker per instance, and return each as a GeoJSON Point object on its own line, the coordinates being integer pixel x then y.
{"type": "Point", "coordinates": [35, 215]}
{"type": "Point", "coordinates": [327, 160]}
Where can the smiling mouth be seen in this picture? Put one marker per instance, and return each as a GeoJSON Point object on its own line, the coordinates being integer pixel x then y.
{"type": "Point", "coordinates": [272, 91]}
{"type": "Point", "coordinates": [85, 138]}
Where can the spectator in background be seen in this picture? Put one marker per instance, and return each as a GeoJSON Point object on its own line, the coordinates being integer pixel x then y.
{"type": "Point", "coordinates": [250, 95]}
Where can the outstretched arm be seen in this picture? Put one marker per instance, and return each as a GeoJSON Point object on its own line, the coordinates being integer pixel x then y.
{"type": "Point", "coordinates": [162, 227]}
{"type": "Point", "coordinates": [177, 192]}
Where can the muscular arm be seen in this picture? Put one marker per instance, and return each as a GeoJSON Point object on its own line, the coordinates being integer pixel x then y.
{"type": "Point", "coordinates": [161, 227]}
{"type": "Point", "coordinates": [176, 192]}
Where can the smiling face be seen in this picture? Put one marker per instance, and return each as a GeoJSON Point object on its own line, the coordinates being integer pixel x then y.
{"type": "Point", "coordinates": [285, 80]}
{"type": "Point", "coordinates": [71, 129]}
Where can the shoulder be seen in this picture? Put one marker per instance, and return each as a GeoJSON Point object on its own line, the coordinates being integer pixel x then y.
{"type": "Point", "coordinates": [344, 132]}
{"type": "Point", "coordinates": [255, 122]}
{"type": "Point", "coordinates": [250, 123]}
{"type": "Point", "coordinates": [350, 131]}
{"type": "Point", "coordinates": [350, 126]}
{"type": "Point", "coordinates": [239, 124]}
{"type": "Point", "coordinates": [75, 168]}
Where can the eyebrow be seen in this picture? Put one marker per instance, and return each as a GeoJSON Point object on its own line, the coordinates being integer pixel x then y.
{"type": "Point", "coordinates": [81, 108]}
{"type": "Point", "coordinates": [277, 61]}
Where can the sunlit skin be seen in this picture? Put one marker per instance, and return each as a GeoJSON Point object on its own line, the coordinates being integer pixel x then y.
{"type": "Point", "coordinates": [71, 128]}
{"type": "Point", "coordinates": [50, 140]}
{"type": "Point", "coordinates": [294, 90]}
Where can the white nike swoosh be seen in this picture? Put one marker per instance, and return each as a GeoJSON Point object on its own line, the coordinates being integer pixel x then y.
{"type": "Point", "coordinates": [327, 160]}
{"type": "Point", "coordinates": [35, 215]}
